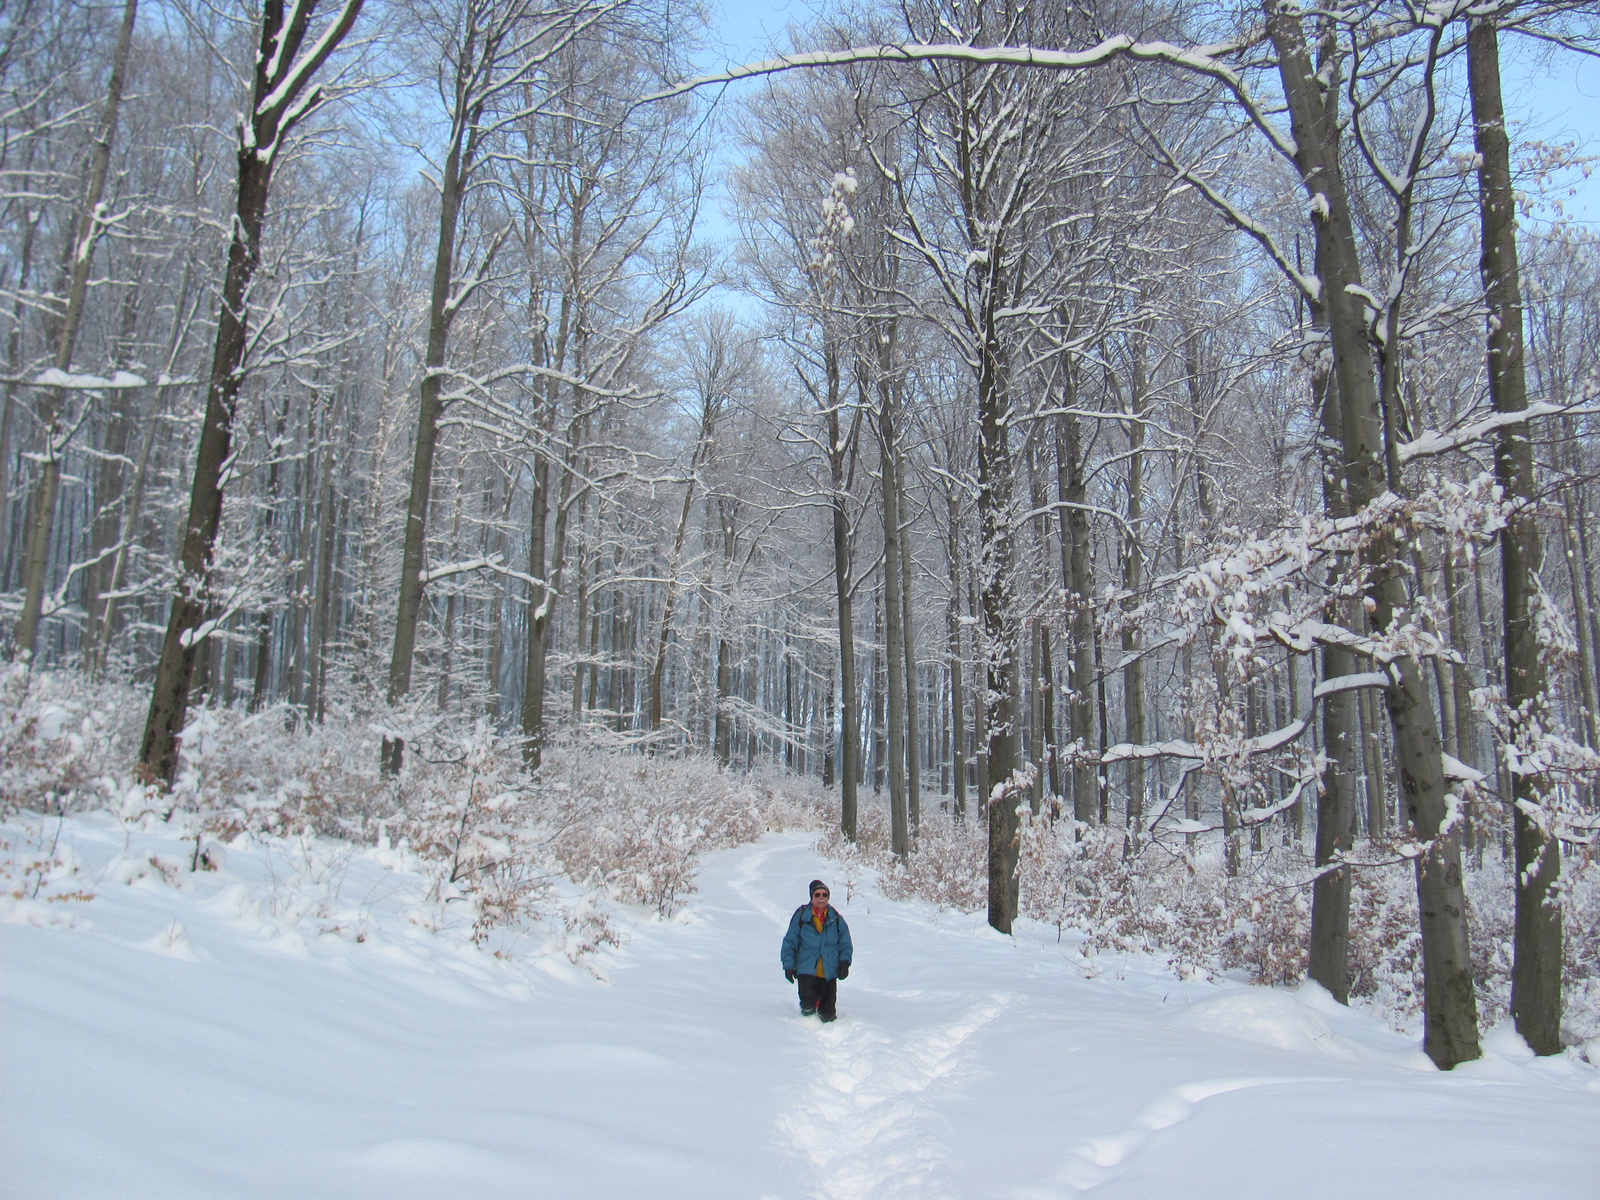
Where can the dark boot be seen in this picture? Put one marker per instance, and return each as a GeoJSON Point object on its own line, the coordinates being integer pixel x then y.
{"type": "Point", "coordinates": [813, 995]}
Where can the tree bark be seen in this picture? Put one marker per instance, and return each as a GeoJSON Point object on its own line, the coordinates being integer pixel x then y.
{"type": "Point", "coordinates": [722, 717]}
{"type": "Point", "coordinates": [844, 590]}
{"type": "Point", "coordinates": [267, 533]}
{"type": "Point", "coordinates": [276, 104]}
{"type": "Point", "coordinates": [908, 639]}
{"type": "Point", "coordinates": [458, 165]}
{"type": "Point", "coordinates": [958, 732]}
{"type": "Point", "coordinates": [86, 235]}
{"type": "Point", "coordinates": [175, 672]}
{"type": "Point", "coordinates": [30, 234]}
{"type": "Point", "coordinates": [1329, 951]}
{"type": "Point", "coordinates": [997, 612]}
{"type": "Point", "coordinates": [109, 493]}
{"type": "Point", "coordinates": [893, 609]}
{"type": "Point", "coordinates": [1077, 578]}
{"type": "Point", "coordinates": [542, 599]}
{"type": "Point", "coordinates": [1132, 584]}
{"type": "Point", "coordinates": [1536, 968]}
{"type": "Point", "coordinates": [322, 614]}
{"type": "Point", "coordinates": [1450, 1006]}
{"type": "Point", "coordinates": [708, 415]}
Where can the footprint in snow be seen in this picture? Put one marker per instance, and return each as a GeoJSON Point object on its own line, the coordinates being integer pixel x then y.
{"type": "Point", "coordinates": [864, 1121]}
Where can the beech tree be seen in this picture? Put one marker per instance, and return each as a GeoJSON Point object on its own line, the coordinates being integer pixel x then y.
{"type": "Point", "coordinates": [281, 97]}
{"type": "Point", "coordinates": [91, 220]}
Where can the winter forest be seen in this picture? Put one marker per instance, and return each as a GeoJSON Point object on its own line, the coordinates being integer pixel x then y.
{"type": "Point", "coordinates": [1128, 467]}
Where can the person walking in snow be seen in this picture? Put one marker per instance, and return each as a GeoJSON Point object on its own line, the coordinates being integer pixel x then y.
{"type": "Point", "coordinates": [817, 951]}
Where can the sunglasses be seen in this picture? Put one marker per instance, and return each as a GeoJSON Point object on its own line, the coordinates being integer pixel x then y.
{"type": "Point", "coordinates": [820, 894]}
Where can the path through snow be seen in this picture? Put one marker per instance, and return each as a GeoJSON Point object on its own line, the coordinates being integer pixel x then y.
{"type": "Point", "coordinates": [184, 1048]}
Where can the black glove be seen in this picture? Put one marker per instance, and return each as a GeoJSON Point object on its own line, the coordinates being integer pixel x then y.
{"type": "Point", "coordinates": [844, 970]}
{"type": "Point", "coordinates": [789, 974]}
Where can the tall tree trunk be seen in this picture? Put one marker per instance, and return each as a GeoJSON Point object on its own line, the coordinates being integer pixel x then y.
{"type": "Point", "coordinates": [829, 745]}
{"type": "Point", "coordinates": [322, 613]}
{"type": "Point", "coordinates": [659, 666]}
{"type": "Point", "coordinates": [958, 732]}
{"type": "Point", "coordinates": [109, 493]}
{"type": "Point", "coordinates": [1451, 1034]}
{"type": "Point", "coordinates": [844, 592]}
{"type": "Point", "coordinates": [722, 718]}
{"type": "Point", "coordinates": [262, 676]}
{"type": "Point", "coordinates": [583, 656]}
{"type": "Point", "coordinates": [452, 189]}
{"type": "Point", "coordinates": [908, 638]}
{"type": "Point", "coordinates": [30, 234]}
{"type": "Point", "coordinates": [276, 104]}
{"type": "Point", "coordinates": [1536, 968]}
{"type": "Point", "coordinates": [175, 671]}
{"type": "Point", "coordinates": [301, 576]}
{"type": "Point", "coordinates": [542, 601]}
{"type": "Point", "coordinates": [1102, 728]}
{"type": "Point", "coordinates": [533, 680]}
{"type": "Point", "coordinates": [1133, 697]}
{"type": "Point", "coordinates": [893, 610]}
{"type": "Point", "coordinates": [447, 656]}
{"type": "Point", "coordinates": [1586, 687]}
{"type": "Point", "coordinates": [1329, 950]}
{"type": "Point", "coordinates": [1077, 578]}
{"type": "Point", "coordinates": [1035, 695]}
{"type": "Point", "coordinates": [1051, 734]}
{"type": "Point", "coordinates": [88, 228]}
{"type": "Point", "coordinates": [1584, 595]}
{"type": "Point", "coordinates": [996, 609]}
{"type": "Point", "coordinates": [980, 713]}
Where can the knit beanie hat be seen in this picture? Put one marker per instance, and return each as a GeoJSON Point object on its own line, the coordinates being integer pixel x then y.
{"type": "Point", "coordinates": [815, 884]}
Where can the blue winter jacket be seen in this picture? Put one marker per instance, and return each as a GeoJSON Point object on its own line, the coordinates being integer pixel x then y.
{"type": "Point", "coordinates": [803, 945]}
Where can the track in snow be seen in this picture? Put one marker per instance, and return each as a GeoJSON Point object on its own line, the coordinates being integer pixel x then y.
{"type": "Point", "coordinates": [189, 1048]}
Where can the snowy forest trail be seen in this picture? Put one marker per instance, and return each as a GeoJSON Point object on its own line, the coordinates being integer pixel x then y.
{"type": "Point", "coordinates": [224, 1061]}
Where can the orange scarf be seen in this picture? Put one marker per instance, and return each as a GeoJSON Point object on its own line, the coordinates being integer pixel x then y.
{"type": "Point", "coordinates": [818, 918]}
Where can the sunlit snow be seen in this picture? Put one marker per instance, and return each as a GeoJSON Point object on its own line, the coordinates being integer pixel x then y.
{"type": "Point", "coordinates": [304, 1023]}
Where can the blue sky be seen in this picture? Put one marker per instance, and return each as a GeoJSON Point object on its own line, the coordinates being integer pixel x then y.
{"type": "Point", "coordinates": [747, 26]}
{"type": "Point", "coordinates": [1558, 99]}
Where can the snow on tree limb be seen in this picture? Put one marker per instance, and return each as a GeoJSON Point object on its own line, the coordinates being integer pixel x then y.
{"type": "Point", "coordinates": [52, 377]}
{"type": "Point", "coordinates": [1201, 60]}
{"type": "Point", "coordinates": [1431, 442]}
{"type": "Point", "coordinates": [299, 72]}
{"type": "Point", "coordinates": [489, 562]}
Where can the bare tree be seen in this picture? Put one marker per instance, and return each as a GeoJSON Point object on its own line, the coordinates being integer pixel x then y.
{"type": "Point", "coordinates": [91, 222]}
{"type": "Point", "coordinates": [281, 97]}
{"type": "Point", "coordinates": [1536, 973]}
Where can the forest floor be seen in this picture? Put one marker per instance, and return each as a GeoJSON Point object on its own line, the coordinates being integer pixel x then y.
{"type": "Point", "coordinates": [232, 1035]}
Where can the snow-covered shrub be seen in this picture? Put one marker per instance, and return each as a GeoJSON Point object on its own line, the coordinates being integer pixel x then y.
{"type": "Point", "coordinates": [40, 876]}
{"type": "Point", "coordinates": [62, 740]}
{"type": "Point", "coordinates": [637, 826]}
{"type": "Point", "coordinates": [475, 820]}
{"type": "Point", "coordinates": [1185, 908]}
{"type": "Point", "coordinates": [495, 839]}
{"type": "Point", "coordinates": [949, 868]}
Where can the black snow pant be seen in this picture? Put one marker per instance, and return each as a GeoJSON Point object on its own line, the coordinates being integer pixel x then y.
{"type": "Point", "coordinates": [819, 994]}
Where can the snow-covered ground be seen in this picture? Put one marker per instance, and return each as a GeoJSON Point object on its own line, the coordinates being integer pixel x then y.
{"type": "Point", "coordinates": [296, 1030]}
